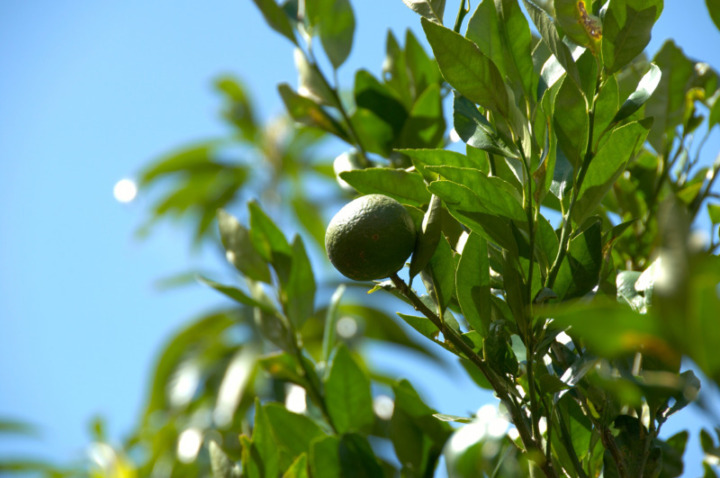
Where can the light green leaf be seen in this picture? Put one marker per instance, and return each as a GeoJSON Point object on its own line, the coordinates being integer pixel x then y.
{"type": "Point", "coordinates": [311, 83]}
{"type": "Point", "coordinates": [336, 23]}
{"type": "Point", "coordinates": [276, 18]}
{"type": "Point", "coordinates": [220, 464]}
{"type": "Point", "coordinates": [430, 9]}
{"type": "Point", "coordinates": [236, 294]}
{"type": "Point", "coordinates": [645, 89]}
{"type": "Point", "coordinates": [298, 469]}
{"type": "Point", "coordinates": [441, 272]}
{"type": "Point", "coordinates": [347, 394]}
{"type": "Point", "coordinates": [579, 24]}
{"type": "Point", "coordinates": [422, 158]}
{"type": "Point", "coordinates": [406, 187]}
{"type": "Point", "coordinates": [239, 249]}
{"type": "Point", "coordinates": [269, 241]}
{"type": "Point", "coordinates": [428, 237]}
{"type": "Point", "coordinates": [467, 69]}
{"type": "Point", "coordinates": [324, 457]}
{"type": "Point", "coordinates": [580, 270]}
{"type": "Point", "coordinates": [422, 325]}
{"type": "Point", "coordinates": [292, 433]}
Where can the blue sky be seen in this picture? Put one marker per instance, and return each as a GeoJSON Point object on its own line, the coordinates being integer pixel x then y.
{"type": "Point", "coordinates": [89, 93]}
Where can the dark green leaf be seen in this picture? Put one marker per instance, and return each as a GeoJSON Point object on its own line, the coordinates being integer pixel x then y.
{"type": "Point", "coordinates": [269, 241]}
{"type": "Point", "coordinates": [308, 112]}
{"type": "Point", "coordinates": [472, 281]}
{"type": "Point", "coordinates": [282, 366]}
{"type": "Point", "coordinates": [626, 30]}
{"type": "Point", "coordinates": [580, 270]}
{"type": "Point", "coordinates": [239, 249]}
{"type": "Point", "coordinates": [425, 126]}
{"type": "Point", "coordinates": [298, 297]}
{"type": "Point", "coordinates": [713, 7]}
{"type": "Point", "coordinates": [441, 272]}
{"type": "Point", "coordinates": [466, 68]}
{"type": "Point", "coordinates": [606, 166]}
{"type": "Point", "coordinates": [378, 98]}
{"type": "Point", "coordinates": [475, 129]}
{"type": "Point", "coordinates": [672, 459]}
{"type": "Point", "coordinates": [421, 69]}
{"type": "Point", "coordinates": [407, 187]}
{"type": "Point", "coordinates": [428, 237]}
{"type": "Point", "coordinates": [276, 18]}
{"type": "Point", "coordinates": [357, 459]}
{"type": "Point", "coordinates": [645, 89]}
{"type": "Point", "coordinates": [571, 121]}
{"type": "Point", "coordinates": [347, 394]}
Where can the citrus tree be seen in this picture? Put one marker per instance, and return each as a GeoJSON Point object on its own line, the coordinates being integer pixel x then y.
{"type": "Point", "coordinates": [543, 235]}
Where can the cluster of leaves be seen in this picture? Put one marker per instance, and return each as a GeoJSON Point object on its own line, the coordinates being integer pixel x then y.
{"type": "Point", "coordinates": [555, 253]}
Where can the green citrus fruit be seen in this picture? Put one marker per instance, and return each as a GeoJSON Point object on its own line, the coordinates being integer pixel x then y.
{"type": "Point", "coordinates": [370, 238]}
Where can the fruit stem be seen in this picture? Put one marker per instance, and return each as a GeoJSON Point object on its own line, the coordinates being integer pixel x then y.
{"type": "Point", "coordinates": [501, 389]}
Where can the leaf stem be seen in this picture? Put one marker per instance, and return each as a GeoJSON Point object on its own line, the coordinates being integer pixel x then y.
{"type": "Point", "coordinates": [461, 15]}
{"type": "Point", "coordinates": [501, 389]}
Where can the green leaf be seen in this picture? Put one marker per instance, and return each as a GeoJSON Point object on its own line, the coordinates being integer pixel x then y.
{"type": "Point", "coordinates": [308, 112]}
{"type": "Point", "coordinates": [501, 31]}
{"type": "Point", "coordinates": [235, 294]}
{"type": "Point", "coordinates": [645, 89]}
{"type": "Point", "coordinates": [466, 68]}
{"type": "Point", "coordinates": [713, 7]}
{"type": "Point", "coordinates": [425, 127]}
{"type": "Point", "coordinates": [441, 272]}
{"type": "Point", "coordinates": [291, 433]}
{"type": "Point", "coordinates": [269, 241]}
{"type": "Point", "coordinates": [610, 329]}
{"type": "Point", "coordinates": [476, 130]}
{"type": "Point", "coordinates": [580, 271]}
{"type": "Point", "coordinates": [571, 122]}
{"type": "Point", "coordinates": [276, 18]}
{"type": "Point", "coordinates": [495, 196]}
{"type": "Point", "coordinates": [550, 36]}
{"type": "Point", "coordinates": [422, 325]}
{"type": "Point", "coordinates": [673, 450]}
{"type": "Point", "coordinates": [378, 98]}
{"type": "Point", "coordinates": [357, 458]}
{"type": "Point", "coordinates": [298, 469]}
{"type": "Point", "coordinates": [324, 457]}
{"type": "Point", "coordinates": [428, 237]}
{"type": "Point", "coordinates": [626, 30]}
{"type": "Point", "coordinates": [421, 69]}
{"type": "Point", "coordinates": [298, 297]}
{"type": "Point", "coordinates": [347, 394]}
{"type": "Point", "coordinates": [422, 158]}
{"type": "Point", "coordinates": [311, 83]}
{"type": "Point", "coordinates": [430, 9]}
{"type": "Point", "coordinates": [472, 281]}
{"type": "Point", "coordinates": [714, 213]}
{"type": "Point", "coordinates": [220, 464]}
{"type": "Point", "coordinates": [666, 105]}
{"type": "Point", "coordinates": [337, 27]}
{"type": "Point", "coordinates": [308, 213]}
{"type": "Point", "coordinates": [406, 187]}
{"type": "Point", "coordinates": [193, 158]}
{"type": "Point", "coordinates": [239, 249]}
{"type": "Point", "coordinates": [606, 167]}
{"type": "Point", "coordinates": [579, 24]}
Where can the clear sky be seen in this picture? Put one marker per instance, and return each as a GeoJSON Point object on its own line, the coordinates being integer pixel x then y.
{"type": "Point", "coordinates": [89, 93]}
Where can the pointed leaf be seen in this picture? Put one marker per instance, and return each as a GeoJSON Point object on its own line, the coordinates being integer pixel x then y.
{"type": "Point", "coordinates": [430, 9]}
{"type": "Point", "coordinates": [298, 296]}
{"type": "Point", "coordinates": [466, 68]}
{"type": "Point", "coordinates": [472, 281]}
{"type": "Point", "coordinates": [347, 394]}
{"type": "Point", "coordinates": [428, 237]}
{"type": "Point", "coordinates": [571, 122]}
{"type": "Point", "coordinates": [476, 130]}
{"type": "Point", "coordinates": [337, 27]}
{"type": "Point", "coordinates": [308, 112]}
{"type": "Point", "coordinates": [626, 30]}
{"type": "Point", "coordinates": [645, 89]}
{"type": "Point", "coordinates": [239, 249]}
{"type": "Point", "coordinates": [713, 7]}
{"type": "Point", "coordinates": [406, 187]}
{"type": "Point", "coordinates": [276, 18]}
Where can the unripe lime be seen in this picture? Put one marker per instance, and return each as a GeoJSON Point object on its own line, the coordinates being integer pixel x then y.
{"type": "Point", "coordinates": [370, 238]}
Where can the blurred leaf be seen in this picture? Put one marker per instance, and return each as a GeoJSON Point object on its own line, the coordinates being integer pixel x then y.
{"type": "Point", "coordinates": [667, 103]}
{"type": "Point", "coordinates": [298, 296]}
{"type": "Point", "coordinates": [311, 82]}
{"type": "Point", "coordinates": [407, 187]}
{"type": "Point", "coordinates": [472, 280]}
{"type": "Point", "coordinates": [466, 68]}
{"type": "Point", "coordinates": [276, 18]}
{"type": "Point", "coordinates": [239, 249]}
{"type": "Point", "coordinates": [15, 427]}
{"type": "Point", "coordinates": [644, 90]}
{"type": "Point", "coordinates": [336, 23]}
{"type": "Point", "coordinates": [283, 366]}
{"type": "Point", "coordinates": [357, 458]}
{"type": "Point", "coordinates": [606, 167]}
{"type": "Point", "coordinates": [422, 325]}
{"type": "Point", "coordinates": [626, 30]}
{"type": "Point", "coordinates": [475, 130]}
{"type": "Point", "coordinates": [430, 9]}
{"type": "Point", "coordinates": [428, 237]}
{"type": "Point", "coordinates": [673, 450]}
{"type": "Point", "coordinates": [221, 465]}
{"type": "Point", "coordinates": [306, 111]}
{"type": "Point", "coordinates": [238, 110]}
{"type": "Point", "coordinates": [236, 294]}
{"type": "Point", "coordinates": [347, 394]}
{"type": "Point", "coordinates": [422, 70]}
{"type": "Point", "coordinates": [324, 457]}
{"type": "Point", "coordinates": [196, 157]}
{"type": "Point", "coordinates": [298, 469]}
{"type": "Point", "coordinates": [309, 214]}
{"type": "Point", "coordinates": [269, 241]}
{"type": "Point", "coordinates": [713, 7]}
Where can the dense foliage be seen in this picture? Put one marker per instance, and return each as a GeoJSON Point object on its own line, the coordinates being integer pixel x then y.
{"type": "Point", "coordinates": [557, 256]}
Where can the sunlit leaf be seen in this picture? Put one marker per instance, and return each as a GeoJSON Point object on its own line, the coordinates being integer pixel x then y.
{"type": "Point", "coordinates": [276, 18]}
{"type": "Point", "coordinates": [626, 30]}
{"type": "Point", "coordinates": [472, 281]}
{"type": "Point", "coordinates": [347, 393]}
{"type": "Point", "coordinates": [308, 112]}
{"type": "Point", "coordinates": [298, 296]}
{"type": "Point", "coordinates": [645, 89]}
{"type": "Point", "coordinates": [406, 187]}
{"type": "Point", "coordinates": [430, 9]}
{"type": "Point", "coordinates": [239, 249]}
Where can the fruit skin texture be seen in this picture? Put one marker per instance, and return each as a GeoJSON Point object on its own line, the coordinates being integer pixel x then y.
{"type": "Point", "coordinates": [370, 238]}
